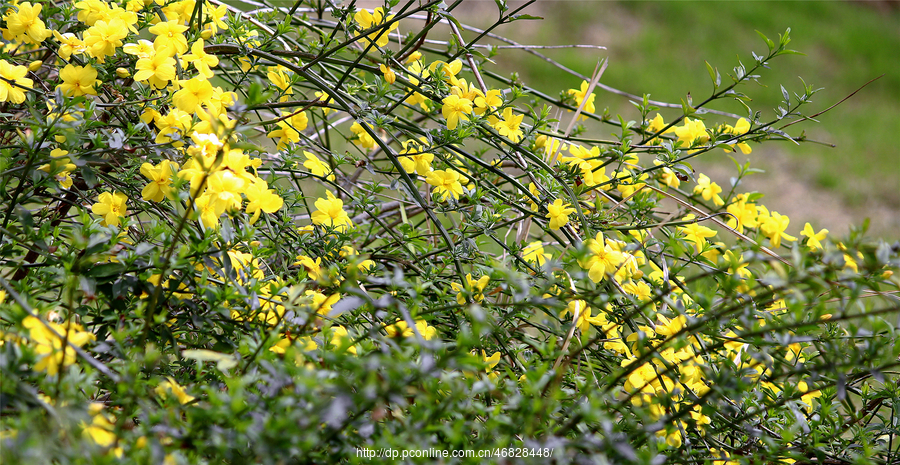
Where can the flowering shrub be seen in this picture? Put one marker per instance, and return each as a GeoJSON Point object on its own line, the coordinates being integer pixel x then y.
{"type": "Point", "coordinates": [290, 234]}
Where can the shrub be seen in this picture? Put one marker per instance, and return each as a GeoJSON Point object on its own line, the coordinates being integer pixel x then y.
{"type": "Point", "coordinates": [294, 234]}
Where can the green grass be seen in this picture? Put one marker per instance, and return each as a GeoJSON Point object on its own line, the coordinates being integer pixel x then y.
{"type": "Point", "coordinates": [660, 48]}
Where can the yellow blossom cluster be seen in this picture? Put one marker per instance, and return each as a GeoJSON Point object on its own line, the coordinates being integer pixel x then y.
{"type": "Point", "coordinates": [54, 343]}
{"type": "Point", "coordinates": [617, 277]}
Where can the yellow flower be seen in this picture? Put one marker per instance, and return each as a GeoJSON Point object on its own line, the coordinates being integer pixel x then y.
{"type": "Point", "coordinates": [389, 74]}
{"type": "Point", "coordinates": [774, 226]}
{"type": "Point", "coordinates": [320, 303]}
{"type": "Point", "coordinates": [414, 56]}
{"type": "Point", "coordinates": [449, 69]}
{"type": "Point", "coordinates": [171, 385]}
{"type": "Point", "coordinates": [102, 39]}
{"type": "Point", "coordinates": [200, 60]}
{"type": "Point", "coordinates": [741, 127]}
{"type": "Point", "coordinates": [157, 69]}
{"type": "Point", "coordinates": [216, 17]}
{"type": "Point", "coordinates": [656, 124]}
{"type": "Point", "coordinates": [668, 176]}
{"type": "Point", "coordinates": [737, 267]}
{"type": "Point", "coordinates": [261, 198]}
{"type": "Point", "coordinates": [101, 428]}
{"type": "Point", "coordinates": [193, 93]}
{"type": "Point", "coordinates": [673, 439]}
{"type": "Point", "coordinates": [68, 44]}
{"type": "Point", "coordinates": [313, 267]}
{"type": "Point", "coordinates": [693, 130]}
{"type": "Point", "coordinates": [307, 344]}
{"type": "Point", "coordinates": [446, 183]}
{"type": "Point", "coordinates": [697, 234]}
{"type": "Point", "coordinates": [490, 362]}
{"type": "Point", "coordinates": [415, 71]}
{"type": "Point", "coordinates": [849, 262]}
{"type": "Point", "coordinates": [78, 80]}
{"type": "Point", "coordinates": [91, 11]}
{"type": "Point", "coordinates": [509, 126]}
{"type": "Point", "coordinates": [744, 213]}
{"type": "Point", "coordinates": [454, 109]}
{"type": "Point", "coordinates": [281, 80]}
{"type": "Point", "coordinates": [808, 397]}
{"type": "Point", "coordinates": [50, 346]}
{"type": "Point", "coordinates": [815, 239]}
{"type": "Point", "coordinates": [141, 49]}
{"type": "Point", "coordinates": [174, 121]}
{"type": "Point", "coordinates": [331, 213]}
{"type": "Point", "coordinates": [289, 129]}
{"type": "Point", "coordinates": [341, 339]}
{"type": "Point", "coordinates": [160, 177]}
{"type": "Point", "coordinates": [722, 457]}
{"type": "Point", "coordinates": [363, 138]}
{"type": "Point", "coordinates": [61, 167]}
{"type": "Point", "coordinates": [535, 253]}
{"type": "Point", "coordinates": [559, 213]}
{"type": "Point", "coordinates": [13, 79]}
{"type": "Point", "coordinates": [169, 37]}
{"type": "Point", "coordinates": [603, 260]}
{"type": "Point", "coordinates": [317, 167]}
{"type": "Point", "coordinates": [25, 25]}
{"type": "Point", "coordinates": [581, 313]}
{"type": "Point", "coordinates": [110, 207]}
{"type": "Point", "coordinates": [465, 90]}
{"type": "Point", "coordinates": [416, 161]}
{"type": "Point", "coordinates": [472, 286]}
{"type": "Point", "coordinates": [427, 332]}
{"type": "Point", "coordinates": [399, 329]}
{"type": "Point", "coordinates": [324, 97]}
{"type": "Point", "coordinates": [709, 190]}
{"type": "Point", "coordinates": [639, 289]}
{"type": "Point", "coordinates": [352, 257]}
{"type": "Point", "coordinates": [667, 327]}
{"type": "Point", "coordinates": [402, 330]}
{"type": "Point", "coordinates": [368, 20]}
{"type": "Point", "coordinates": [579, 97]}
{"type": "Point", "coordinates": [485, 102]}
{"type": "Point", "coordinates": [246, 265]}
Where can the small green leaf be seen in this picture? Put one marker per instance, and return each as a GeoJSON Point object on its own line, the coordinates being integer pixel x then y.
{"type": "Point", "coordinates": [713, 75]}
{"type": "Point", "coordinates": [518, 17]}
{"type": "Point", "coordinates": [769, 42]}
{"type": "Point", "coordinates": [790, 52]}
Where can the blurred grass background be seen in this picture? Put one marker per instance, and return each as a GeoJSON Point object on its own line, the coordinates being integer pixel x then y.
{"type": "Point", "coordinates": [659, 47]}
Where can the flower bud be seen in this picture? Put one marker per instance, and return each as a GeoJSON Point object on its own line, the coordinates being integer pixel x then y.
{"type": "Point", "coordinates": [206, 33]}
{"type": "Point", "coordinates": [122, 73]}
{"type": "Point", "coordinates": [35, 65]}
{"type": "Point", "coordinates": [389, 74]}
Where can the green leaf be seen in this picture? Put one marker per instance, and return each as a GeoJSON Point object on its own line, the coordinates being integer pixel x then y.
{"type": "Point", "coordinates": [713, 75]}
{"type": "Point", "coordinates": [790, 52]}
{"type": "Point", "coordinates": [518, 17]}
{"type": "Point", "coordinates": [687, 109]}
{"type": "Point", "coordinates": [786, 38]}
{"type": "Point", "coordinates": [769, 42]}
